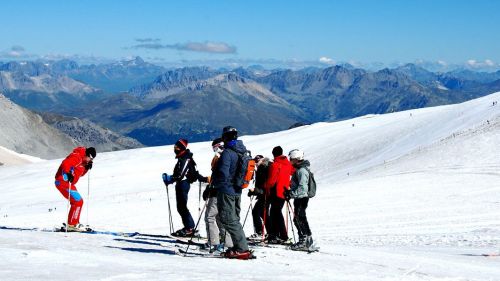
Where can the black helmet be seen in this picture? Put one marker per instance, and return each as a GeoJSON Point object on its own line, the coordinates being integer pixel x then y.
{"type": "Point", "coordinates": [90, 152]}
{"type": "Point", "coordinates": [216, 141]}
{"type": "Point", "coordinates": [228, 129]}
{"type": "Point", "coordinates": [229, 133]}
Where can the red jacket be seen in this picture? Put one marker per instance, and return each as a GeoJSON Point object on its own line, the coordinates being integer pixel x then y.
{"type": "Point", "coordinates": [280, 172]}
{"type": "Point", "coordinates": [76, 161]}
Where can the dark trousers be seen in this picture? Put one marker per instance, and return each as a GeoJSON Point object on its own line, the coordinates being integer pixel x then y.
{"type": "Point", "coordinates": [276, 220]}
{"type": "Point", "coordinates": [181, 195]}
{"type": "Point", "coordinates": [260, 209]}
{"type": "Point", "coordinates": [229, 214]}
{"type": "Point", "coordinates": [300, 218]}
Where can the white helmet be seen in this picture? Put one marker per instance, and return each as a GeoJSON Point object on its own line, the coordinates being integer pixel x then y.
{"type": "Point", "coordinates": [296, 154]}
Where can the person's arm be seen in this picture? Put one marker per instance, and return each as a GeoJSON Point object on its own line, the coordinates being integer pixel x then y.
{"type": "Point", "coordinates": [196, 173]}
{"type": "Point", "coordinates": [72, 161]}
{"type": "Point", "coordinates": [222, 170]}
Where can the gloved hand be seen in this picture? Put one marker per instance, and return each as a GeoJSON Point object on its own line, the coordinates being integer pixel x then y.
{"type": "Point", "coordinates": [88, 166]}
{"type": "Point", "coordinates": [288, 194]}
{"type": "Point", "coordinates": [250, 193]}
{"type": "Point", "coordinates": [206, 193]}
{"type": "Point", "coordinates": [167, 179]}
{"type": "Point", "coordinates": [68, 177]}
{"type": "Point", "coordinates": [206, 179]}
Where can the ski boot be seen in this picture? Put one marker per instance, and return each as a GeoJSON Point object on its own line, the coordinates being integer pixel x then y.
{"type": "Point", "coordinates": [184, 232]}
{"type": "Point", "coordinates": [233, 254]}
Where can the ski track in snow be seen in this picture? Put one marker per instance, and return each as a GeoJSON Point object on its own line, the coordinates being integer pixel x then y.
{"type": "Point", "coordinates": [400, 197]}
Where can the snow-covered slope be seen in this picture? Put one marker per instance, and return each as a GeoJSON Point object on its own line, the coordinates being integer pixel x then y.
{"type": "Point", "coordinates": [24, 131]}
{"type": "Point", "coordinates": [413, 195]}
{"type": "Point", "coordinates": [9, 157]}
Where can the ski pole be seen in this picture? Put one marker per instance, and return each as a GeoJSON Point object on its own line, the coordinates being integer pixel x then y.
{"type": "Point", "coordinates": [249, 207]}
{"type": "Point", "coordinates": [88, 197]}
{"type": "Point", "coordinates": [69, 204]}
{"type": "Point", "coordinates": [286, 220]}
{"type": "Point", "coordinates": [264, 219]}
{"type": "Point", "coordinates": [194, 230]}
{"type": "Point", "coordinates": [199, 197]}
{"type": "Point", "coordinates": [290, 215]}
{"type": "Point", "coordinates": [170, 221]}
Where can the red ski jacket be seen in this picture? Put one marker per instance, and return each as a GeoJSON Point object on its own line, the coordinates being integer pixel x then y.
{"type": "Point", "coordinates": [76, 161]}
{"type": "Point", "coordinates": [280, 172]}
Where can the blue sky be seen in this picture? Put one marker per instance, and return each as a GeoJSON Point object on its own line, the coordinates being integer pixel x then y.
{"type": "Point", "coordinates": [314, 31]}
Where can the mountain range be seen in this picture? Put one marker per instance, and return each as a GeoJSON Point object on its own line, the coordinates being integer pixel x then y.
{"type": "Point", "coordinates": [49, 136]}
{"type": "Point", "coordinates": [156, 106]}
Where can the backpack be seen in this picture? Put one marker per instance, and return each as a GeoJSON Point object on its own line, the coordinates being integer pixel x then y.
{"type": "Point", "coordinates": [244, 170]}
{"type": "Point", "coordinates": [311, 192]}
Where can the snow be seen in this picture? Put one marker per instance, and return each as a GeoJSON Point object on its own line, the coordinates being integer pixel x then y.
{"type": "Point", "coordinates": [9, 157]}
{"type": "Point", "coordinates": [412, 195]}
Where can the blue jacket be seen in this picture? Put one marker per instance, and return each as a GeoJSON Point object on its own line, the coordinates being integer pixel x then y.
{"type": "Point", "coordinates": [226, 168]}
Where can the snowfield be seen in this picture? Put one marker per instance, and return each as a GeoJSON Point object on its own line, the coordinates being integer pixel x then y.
{"type": "Point", "coordinates": [412, 195]}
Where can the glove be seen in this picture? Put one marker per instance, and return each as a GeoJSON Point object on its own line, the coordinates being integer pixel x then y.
{"type": "Point", "coordinates": [205, 194]}
{"type": "Point", "coordinates": [88, 166]}
{"type": "Point", "coordinates": [68, 177]}
{"type": "Point", "coordinates": [167, 179]}
{"type": "Point", "coordinates": [250, 193]}
{"type": "Point", "coordinates": [206, 179]}
{"type": "Point", "coordinates": [288, 194]}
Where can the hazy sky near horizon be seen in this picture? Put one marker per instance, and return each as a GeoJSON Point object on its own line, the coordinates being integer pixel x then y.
{"type": "Point", "coordinates": [359, 30]}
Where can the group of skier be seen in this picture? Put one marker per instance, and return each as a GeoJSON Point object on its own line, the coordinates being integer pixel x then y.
{"type": "Point", "coordinates": [275, 183]}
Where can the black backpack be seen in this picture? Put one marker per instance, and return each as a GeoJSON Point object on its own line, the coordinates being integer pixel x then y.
{"type": "Point", "coordinates": [311, 184]}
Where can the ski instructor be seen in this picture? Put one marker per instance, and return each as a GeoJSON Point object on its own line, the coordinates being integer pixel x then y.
{"type": "Point", "coordinates": [76, 165]}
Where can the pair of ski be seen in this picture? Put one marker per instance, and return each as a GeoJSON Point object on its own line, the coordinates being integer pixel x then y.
{"type": "Point", "coordinates": [200, 249]}
{"type": "Point", "coordinates": [260, 243]}
{"type": "Point", "coordinates": [89, 230]}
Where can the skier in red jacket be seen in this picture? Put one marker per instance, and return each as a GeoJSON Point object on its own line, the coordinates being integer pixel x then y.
{"type": "Point", "coordinates": [278, 181]}
{"type": "Point", "coordinates": [76, 165]}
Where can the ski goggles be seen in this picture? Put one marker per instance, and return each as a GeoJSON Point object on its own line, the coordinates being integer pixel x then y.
{"type": "Point", "coordinates": [218, 146]}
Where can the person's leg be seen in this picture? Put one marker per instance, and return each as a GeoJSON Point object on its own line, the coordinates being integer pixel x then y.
{"type": "Point", "coordinates": [227, 206]}
{"type": "Point", "coordinates": [181, 194]}
{"type": "Point", "coordinates": [76, 201]}
{"type": "Point", "coordinates": [280, 220]}
{"type": "Point", "coordinates": [223, 233]}
{"type": "Point", "coordinates": [258, 215]}
{"type": "Point", "coordinates": [271, 224]}
{"type": "Point", "coordinates": [211, 222]}
{"type": "Point", "coordinates": [303, 216]}
{"type": "Point", "coordinates": [277, 220]}
{"type": "Point", "coordinates": [297, 220]}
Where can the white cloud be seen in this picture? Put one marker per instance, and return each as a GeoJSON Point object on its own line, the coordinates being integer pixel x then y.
{"type": "Point", "coordinates": [471, 62]}
{"type": "Point", "coordinates": [15, 52]}
{"type": "Point", "coordinates": [326, 60]}
{"type": "Point", "coordinates": [203, 47]}
{"type": "Point", "coordinates": [442, 62]}
{"type": "Point", "coordinates": [489, 62]}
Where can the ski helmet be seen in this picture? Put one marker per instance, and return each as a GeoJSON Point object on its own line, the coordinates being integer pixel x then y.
{"type": "Point", "coordinates": [182, 144]}
{"type": "Point", "coordinates": [229, 133]}
{"type": "Point", "coordinates": [90, 152]}
{"type": "Point", "coordinates": [296, 154]}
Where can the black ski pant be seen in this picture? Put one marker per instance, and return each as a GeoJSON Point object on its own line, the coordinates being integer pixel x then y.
{"type": "Point", "coordinates": [300, 218]}
{"type": "Point", "coordinates": [229, 214]}
{"type": "Point", "coordinates": [276, 220]}
{"type": "Point", "coordinates": [260, 209]}
{"type": "Point", "coordinates": [181, 195]}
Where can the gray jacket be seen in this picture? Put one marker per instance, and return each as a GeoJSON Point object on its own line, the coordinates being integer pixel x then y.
{"type": "Point", "coordinates": [299, 185]}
